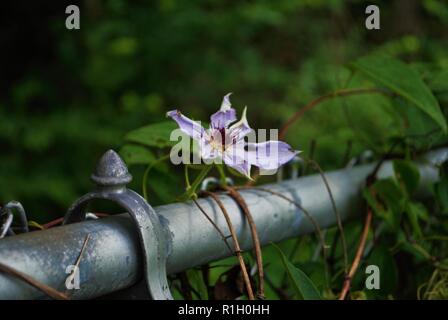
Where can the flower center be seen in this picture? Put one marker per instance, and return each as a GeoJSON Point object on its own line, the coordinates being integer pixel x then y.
{"type": "Point", "coordinates": [219, 139]}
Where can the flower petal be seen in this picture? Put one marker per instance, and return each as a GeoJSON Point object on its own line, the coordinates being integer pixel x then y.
{"type": "Point", "coordinates": [190, 127]}
{"type": "Point", "coordinates": [225, 115]}
{"type": "Point", "coordinates": [236, 157]}
{"type": "Point", "coordinates": [241, 128]}
{"type": "Point", "coordinates": [222, 119]}
{"type": "Point", "coordinates": [242, 167]}
{"type": "Point", "coordinates": [225, 104]}
{"type": "Point", "coordinates": [270, 155]}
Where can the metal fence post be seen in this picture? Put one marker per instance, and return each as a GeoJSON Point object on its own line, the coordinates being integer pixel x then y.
{"type": "Point", "coordinates": [111, 176]}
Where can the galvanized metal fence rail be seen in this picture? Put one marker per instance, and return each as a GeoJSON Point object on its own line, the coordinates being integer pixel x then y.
{"type": "Point", "coordinates": [113, 261]}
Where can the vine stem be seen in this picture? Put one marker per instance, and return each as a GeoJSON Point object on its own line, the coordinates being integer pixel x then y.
{"type": "Point", "coordinates": [338, 93]}
{"type": "Point", "coordinates": [236, 244]}
{"type": "Point", "coordinates": [191, 191]}
{"type": "Point", "coordinates": [78, 260]}
{"type": "Point", "coordinates": [58, 221]}
{"type": "Point", "coordinates": [146, 174]}
{"type": "Point", "coordinates": [187, 177]}
{"type": "Point", "coordinates": [358, 256]}
{"type": "Point", "coordinates": [223, 237]}
{"type": "Point", "coordinates": [222, 174]}
{"type": "Point", "coordinates": [313, 103]}
{"type": "Point", "coordinates": [53, 293]}
{"type": "Point", "coordinates": [370, 180]}
{"type": "Point", "coordinates": [307, 214]}
{"type": "Point", "coordinates": [256, 240]}
{"type": "Point", "coordinates": [335, 210]}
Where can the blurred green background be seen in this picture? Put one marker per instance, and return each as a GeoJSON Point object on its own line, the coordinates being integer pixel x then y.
{"type": "Point", "coordinates": [68, 95]}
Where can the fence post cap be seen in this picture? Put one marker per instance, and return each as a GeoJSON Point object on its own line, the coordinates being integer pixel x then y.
{"type": "Point", "coordinates": [111, 170]}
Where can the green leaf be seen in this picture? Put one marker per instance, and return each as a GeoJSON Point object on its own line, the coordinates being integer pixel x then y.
{"type": "Point", "coordinates": [393, 198]}
{"type": "Point", "coordinates": [415, 249]}
{"type": "Point", "coordinates": [402, 80]}
{"type": "Point", "coordinates": [316, 272]}
{"type": "Point", "coordinates": [421, 211]}
{"type": "Point", "coordinates": [165, 184]}
{"type": "Point", "coordinates": [153, 135]}
{"type": "Point", "coordinates": [358, 295]}
{"type": "Point", "coordinates": [371, 201]}
{"type": "Point", "coordinates": [407, 175]}
{"type": "Point", "coordinates": [414, 212]}
{"type": "Point", "coordinates": [390, 193]}
{"type": "Point", "coordinates": [441, 191]}
{"type": "Point", "coordinates": [135, 154]}
{"type": "Point", "coordinates": [382, 257]}
{"type": "Point", "coordinates": [417, 125]}
{"type": "Point", "coordinates": [439, 81]}
{"type": "Point", "coordinates": [441, 188]}
{"type": "Point", "coordinates": [303, 286]}
{"type": "Point", "coordinates": [197, 283]}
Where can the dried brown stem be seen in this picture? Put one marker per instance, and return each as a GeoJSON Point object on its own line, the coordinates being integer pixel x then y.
{"type": "Point", "coordinates": [299, 206]}
{"type": "Point", "coordinates": [305, 212]}
{"type": "Point", "coordinates": [49, 291]}
{"type": "Point", "coordinates": [78, 260]}
{"type": "Point", "coordinates": [53, 223]}
{"type": "Point", "coordinates": [58, 221]}
{"type": "Point", "coordinates": [336, 212]}
{"type": "Point", "coordinates": [370, 180]}
{"type": "Point", "coordinates": [298, 114]}
{"type": "Point", "coordinates": [313, 145]}
{"type": "Point", "coordinates": [223, 237]}
{"type": "Point", "coordinates": [236, 244]}
{"type": "Point", "coordinates": [256, 241]}
{"type": "Point", "coordinates": [338, 93]}
{"type": "Point", "coordinates": [358, 256]}
{"type": "Point", "coordinates": [84, 245]}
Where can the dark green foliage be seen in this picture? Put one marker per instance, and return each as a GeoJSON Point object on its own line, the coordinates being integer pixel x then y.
{"type": "Point", "coordinates": [402, 80]}
{"type": "Point", "coordinates": [303, 286]}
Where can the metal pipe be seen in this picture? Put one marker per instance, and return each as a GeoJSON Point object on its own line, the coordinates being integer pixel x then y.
{"type": "Point", "coordinates": [111, 259]}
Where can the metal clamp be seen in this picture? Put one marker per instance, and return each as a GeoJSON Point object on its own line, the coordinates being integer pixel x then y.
{"type": "Point", "coordinates": [111, 176]}
{"type": "Point", "coordinates": [212, 181]}
{"type": "Point", "coordinates": [7, 211]}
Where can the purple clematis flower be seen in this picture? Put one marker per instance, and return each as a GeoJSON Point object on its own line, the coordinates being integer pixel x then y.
{"type": "Point", "coordinates": [225, 141]}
